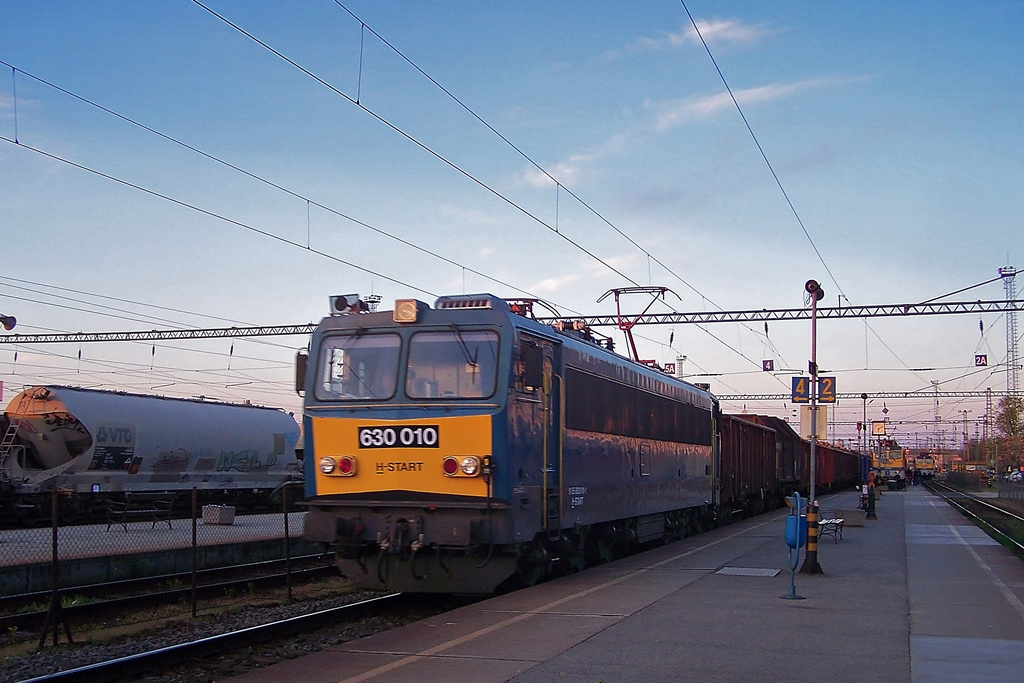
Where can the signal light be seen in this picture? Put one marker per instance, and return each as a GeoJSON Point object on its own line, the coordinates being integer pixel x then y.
{"type": "Point", "coordinates": [344, 304]}
{"type": "Point", "coordinates": [408, 310]}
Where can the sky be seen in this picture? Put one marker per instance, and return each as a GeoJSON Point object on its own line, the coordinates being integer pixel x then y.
{"type": "Point", "coordinates": [177, 164]}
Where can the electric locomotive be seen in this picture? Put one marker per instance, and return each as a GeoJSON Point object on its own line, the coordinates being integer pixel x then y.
{"type": "Point", "coordinates": [466, 446]}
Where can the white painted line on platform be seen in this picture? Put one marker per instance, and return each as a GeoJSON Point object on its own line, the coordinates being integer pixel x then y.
{"type": "Point", "coordinates": [409, 659]}
{"type": "Point", "coordinates": [747, 571]}
{"type": "Point", "coordinates": [1012, 599]}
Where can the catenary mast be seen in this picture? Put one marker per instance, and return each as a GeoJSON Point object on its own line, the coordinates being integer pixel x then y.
{"type": "Point", "coordinates": [1012, 360]}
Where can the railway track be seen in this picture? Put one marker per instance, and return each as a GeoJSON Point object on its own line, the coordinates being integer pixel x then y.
{"type": "Point", "coordinates": [169, 657]}
{"type": "Point", "coordinates": [1005, 525]}
{"type": "Point", "coordinates": [16, 610]}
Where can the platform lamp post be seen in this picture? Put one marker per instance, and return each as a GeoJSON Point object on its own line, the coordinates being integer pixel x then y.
{"type": "Point", "coordinates": [8, 321]}
{"type": "Point", "coordinates": [811, 565]}
{"type": "Point", "coordinates": [862, 444]}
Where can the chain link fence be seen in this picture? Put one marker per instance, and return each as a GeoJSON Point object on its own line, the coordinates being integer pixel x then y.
{"type": "Point", "coordinates": [143, 542]}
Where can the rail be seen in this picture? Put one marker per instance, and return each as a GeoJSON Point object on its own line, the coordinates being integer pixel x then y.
{"type": "Point", "coordinates": [126, 595]}
{"type": "Point", "coordinates": [167, 657]}
{"type": "Point", "coordinates": [944, 492]}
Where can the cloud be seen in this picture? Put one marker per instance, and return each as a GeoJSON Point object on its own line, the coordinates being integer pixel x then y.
{"type": "Point", "coordinates": [675, 113]}
{"type": "Point", "coordinates": [565, 172]}
{"type": "Point", "coordinates": [714, 31]}
{"type": "Point", "coordinates": [554, 284]}
{"type": "Point", "coordinates": [463, 215]}
{"type": "Point", "coordinates": [569, 172]}
{"type": "Point", "coordinates": [620, 263]}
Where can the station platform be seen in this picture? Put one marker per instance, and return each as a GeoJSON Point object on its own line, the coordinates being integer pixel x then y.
{"type": "Point", "coordinates": [919, 594]}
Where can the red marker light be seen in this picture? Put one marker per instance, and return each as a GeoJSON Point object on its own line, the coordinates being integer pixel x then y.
{"type": "Point", "coordinates": [347, 466]}
{"type": "Point", "coordinates": [450, 466]}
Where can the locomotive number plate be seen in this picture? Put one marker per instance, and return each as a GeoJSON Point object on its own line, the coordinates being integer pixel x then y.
{"type": "Point", "coordinates": [409, 436]}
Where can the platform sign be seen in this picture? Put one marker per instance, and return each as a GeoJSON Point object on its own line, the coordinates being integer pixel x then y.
{"type": "Point", "coordinates": [826, 389]}
{"type": "Point", "coordinates": [980, 359]}
{"type": "Point", "coordinates": [820, 431]}
{"type": "Point", "coordinates": [801, 390]}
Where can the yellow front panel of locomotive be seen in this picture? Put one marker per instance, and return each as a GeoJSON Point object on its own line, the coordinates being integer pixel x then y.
{"type": "Point", "coordinates": [401, 455]}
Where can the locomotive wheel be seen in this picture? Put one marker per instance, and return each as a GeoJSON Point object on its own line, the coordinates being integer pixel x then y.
{"type": "Point", "coordinates": [533, 563]}
{"type": "Point", "coordinates": [599, 548]}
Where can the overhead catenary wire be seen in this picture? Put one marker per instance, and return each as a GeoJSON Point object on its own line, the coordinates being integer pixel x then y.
{"type": "Point", "coordinates": [308, 200]}
{"type": "Point", "coordinates": [768, 163]}
{"type": "Point", "coordinates": [292, 193]}
{"type": "Point", "coordinates": [423, 146]}
{"type": "Point", "coordinates": [559, 185]}
{"type": "Point", "coordinates": [212, 214]}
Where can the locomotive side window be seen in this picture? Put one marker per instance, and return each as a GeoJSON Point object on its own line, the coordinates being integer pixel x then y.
{"type": "Point", "coordinates": [358, 367]}
{"type": "Point", "coordinates": [614, 408]}
{"type": "Point", "coordinates": [452, 364]}
{"type": "Point", "coordinates": [530, 367]}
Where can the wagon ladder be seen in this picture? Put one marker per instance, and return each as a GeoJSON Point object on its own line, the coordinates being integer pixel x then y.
{"type": "Point", "coordinates": [7, 445]}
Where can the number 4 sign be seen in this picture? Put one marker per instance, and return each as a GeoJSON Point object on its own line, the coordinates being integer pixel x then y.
{"type": "Point", "coordinates": [801, 390]}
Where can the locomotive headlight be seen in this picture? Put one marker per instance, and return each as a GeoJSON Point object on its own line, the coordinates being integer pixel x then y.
{"type": "Point", "coordinates": [326, 465]}
{"type": "Point", "coordinates": [470, 466]}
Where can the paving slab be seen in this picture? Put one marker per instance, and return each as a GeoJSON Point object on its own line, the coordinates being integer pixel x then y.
{"type": "Point", "coordinates": [918, 595]}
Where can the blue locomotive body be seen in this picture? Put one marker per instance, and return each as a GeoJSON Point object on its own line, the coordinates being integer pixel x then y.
{"type": "Point", "coordinates": [466, 446]}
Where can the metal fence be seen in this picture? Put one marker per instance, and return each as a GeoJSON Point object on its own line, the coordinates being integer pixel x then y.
{"type": "Point", "coordinates": [967, 481]}
{"type": "Point", "coordinates": [1011, 490]}
{"type": "Point", "coordinates": [167, 537]}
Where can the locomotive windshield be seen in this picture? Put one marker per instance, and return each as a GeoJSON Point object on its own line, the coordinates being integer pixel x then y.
{"type": "Point", "coordinates": [452, 364]}
{"type": "Point", "coordinates": [443, 365]}
{"type": "Point", "coordinates": [358, 367]}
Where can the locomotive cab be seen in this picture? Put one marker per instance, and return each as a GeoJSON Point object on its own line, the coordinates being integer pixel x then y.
{"type": "Point", "coordinates": [401, 420]}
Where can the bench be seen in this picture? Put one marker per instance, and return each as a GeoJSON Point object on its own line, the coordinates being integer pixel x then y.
{"type": "Point", "coordinates": [140, 507]}
{"type": "Point", "coordinates": [831, 525]}
{"type": "Point", "coordinates": [851, 517]}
